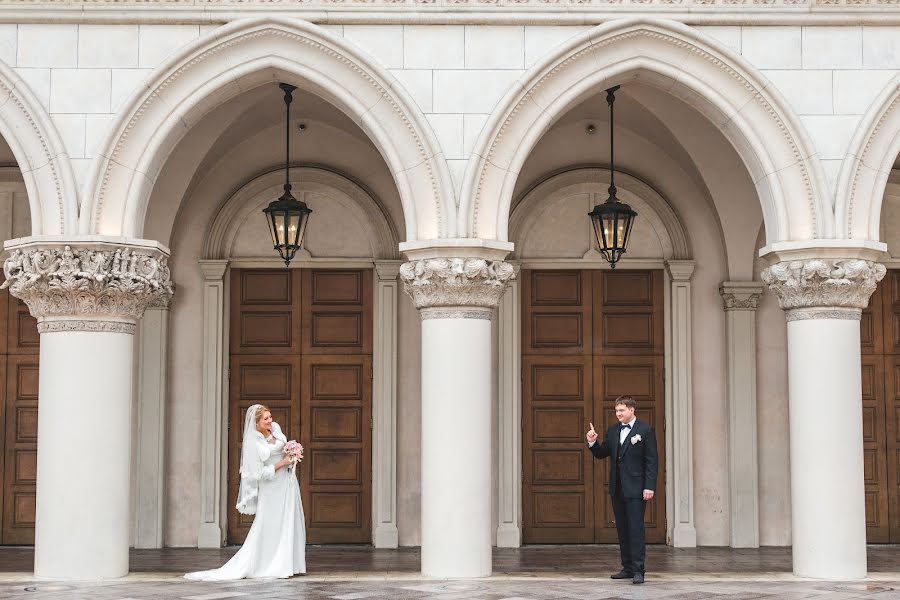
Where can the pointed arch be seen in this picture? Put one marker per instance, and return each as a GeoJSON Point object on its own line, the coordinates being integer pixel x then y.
{"type": "Point", "coordinates": [867, 167]}
{"type": "Point", "coordinates": [40, 155]}
{"type": "Point", "coordinates": [679, 61]}
{"type": "Point", "coordinates": [245, 55]}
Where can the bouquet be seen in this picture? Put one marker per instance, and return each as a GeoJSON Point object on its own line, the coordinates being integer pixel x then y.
{"type": "Point", "coordinates": [294, 451]}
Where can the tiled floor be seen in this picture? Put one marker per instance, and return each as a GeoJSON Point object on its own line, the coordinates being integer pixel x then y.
{"type": "Point", "coordinates": [533, 573]}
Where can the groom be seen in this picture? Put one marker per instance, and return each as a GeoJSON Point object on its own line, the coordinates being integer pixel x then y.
{"type": "Point", "coordinates": [631, 446]}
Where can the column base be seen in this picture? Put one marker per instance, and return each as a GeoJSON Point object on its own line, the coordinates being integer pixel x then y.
{"type": "Point", "coordinates": [209, 536]}
{"type": "Point", "coordinates": [684, 536]}
{"type": "Point", "coordinates": [509, 536]}
{"type": "Point", "coordinates": [386, 536]}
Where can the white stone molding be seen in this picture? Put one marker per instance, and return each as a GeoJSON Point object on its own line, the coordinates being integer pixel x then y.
{"type": "Point", "coordinates": [823, 288]}
{"type": "Point", "coordinates": [40, 155]}
{"type": "Point", "coordinates": [679, 407]}
{"type": "Point", "coordinates": [456, 282]}
{"type": "Point", "coordinates": [251, 198]}
{"type": "Point", "coordinates": [419, 12]}
{"type": "Point", "coordinates": [150, 459]}
{"type": "Point", "coordinates": [867, 167]}
{"type": "Point", "coordinates": [384, 409]}
{"type": "Point", "coordinates": [509, 421]}
{"type": "Point", "coordinates": [686, 64]}
{"type": "Point", "coordinates": [213, 453]}
{"type": "Point", "coordinates": [243, 55]}
{"type": "Point", "coordinates": [72, 285]}
{"type": "Point", "coordinates": [646, 200]}
{"type": "Point", "coordinates": [740, 299]}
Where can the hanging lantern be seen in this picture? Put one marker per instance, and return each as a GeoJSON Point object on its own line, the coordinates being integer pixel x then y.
{"type": "Point", "coordinates": [287, 217]}
{"type": "Point", "coordinates": [612, 220]}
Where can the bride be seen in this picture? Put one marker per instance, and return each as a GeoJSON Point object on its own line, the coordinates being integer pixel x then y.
{"type": "Point", "coordinates": [276, 543]}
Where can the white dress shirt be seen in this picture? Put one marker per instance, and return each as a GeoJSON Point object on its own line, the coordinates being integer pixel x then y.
{"type": "Point", "coordinates": [622, 434]}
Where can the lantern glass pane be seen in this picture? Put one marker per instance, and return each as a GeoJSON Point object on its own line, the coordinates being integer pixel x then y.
{"type": "Point", "coordinates": [304, 219]}
{"type": "Point", "coordinates": [293, 228]}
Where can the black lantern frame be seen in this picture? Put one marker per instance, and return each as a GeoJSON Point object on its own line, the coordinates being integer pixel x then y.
{"type": "Point", "coordinates": [287, 217]}
{"type": "Point", "coordinates": [612, 221]}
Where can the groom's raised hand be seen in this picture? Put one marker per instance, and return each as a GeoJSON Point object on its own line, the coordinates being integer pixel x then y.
{"type": "Point", "coordinates": [591, 435]}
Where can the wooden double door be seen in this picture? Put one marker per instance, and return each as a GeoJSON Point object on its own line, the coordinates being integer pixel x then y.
{"type": "Point", "coordinates": [19, 353]}
{"type": "Point", "coordinates": [301, 343]}
{"type": "Point", "coordinates": [587, 338]}
{"type": "Point", "coordinates": [880, 345]}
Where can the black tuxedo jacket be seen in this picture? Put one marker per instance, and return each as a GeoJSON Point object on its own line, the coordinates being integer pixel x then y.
{"type": "Point", "coordinates": [632, 465]}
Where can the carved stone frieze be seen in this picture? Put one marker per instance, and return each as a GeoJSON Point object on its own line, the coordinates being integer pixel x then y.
{"type": "Point", "coordinates": [741, 295]}
{"type": "Point", "coordinates": [738, 302]}
{"type": "Point", "coordinates": [456, 282]}
{"type": "Point", "coordinates": [451, 4]}
{"type": "Point", "coordinates": [823, 288]}
{"type": "Point", "coordinates": [95, 287]}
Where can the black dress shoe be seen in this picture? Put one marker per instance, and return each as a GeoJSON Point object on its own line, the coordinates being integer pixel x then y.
{"type": "Point", "coordinates": [638, 578]}
{"type": "Point", "coordinates": [622, 575]}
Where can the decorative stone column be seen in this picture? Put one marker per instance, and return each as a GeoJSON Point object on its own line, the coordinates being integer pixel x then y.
{"type": "Point", "coordinates": [87, 298]}
{"type": "Point", "coordinates": [823, 300]}
{"type": "Point", "coordinates": [509, 425]}
{"type": "Point", "coordinates": [741, 299]}
{"type": "Point", "coordinates": [211, 533]}
{"type": "Point", "coordinates": [681, 449]}
{"type": "Point", "coordinates": [150, 455]}
{"type": "Point", "coordinates": [456, 298]}
{"type": "Point", "coordinates": [384, 407]}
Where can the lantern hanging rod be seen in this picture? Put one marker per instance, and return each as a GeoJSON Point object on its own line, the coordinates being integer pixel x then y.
{"type": "Point", "coordinates": [288, 98]}
{"type": "Point", "coordinates": [610, 100]}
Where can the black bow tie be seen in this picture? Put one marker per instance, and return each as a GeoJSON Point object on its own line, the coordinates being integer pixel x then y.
{"type": "Point", "coordinates": [625, 426]}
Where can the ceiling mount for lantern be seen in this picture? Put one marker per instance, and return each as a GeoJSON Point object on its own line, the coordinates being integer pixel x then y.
{"type": "Point", "coordinates": [612, 220]}
{"type": "Point", "coordinates": [286, 216]}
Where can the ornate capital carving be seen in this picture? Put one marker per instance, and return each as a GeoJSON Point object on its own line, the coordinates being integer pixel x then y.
{"type": "Point", "coordinates": [741, 295]}
{"type": "Point", "coordinates": [456, 282]}
{"type": "Point", "coordinates": [823, 288]}
{"type": "Point", "coordinates": [90, 287]}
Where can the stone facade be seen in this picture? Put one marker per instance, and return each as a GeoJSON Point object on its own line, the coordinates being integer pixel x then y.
{"type": "Point", "coordinates": [758, 143]}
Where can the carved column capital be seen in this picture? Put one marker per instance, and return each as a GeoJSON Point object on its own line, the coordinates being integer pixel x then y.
{"type": "Point", "coordinates": [741, 295]}
{"type": "Point", "coordinates": [823, 288]}
{"type": "Point", "coordinates": [92, 286]}
{"type": "Point", "coordinates": [456, 287]}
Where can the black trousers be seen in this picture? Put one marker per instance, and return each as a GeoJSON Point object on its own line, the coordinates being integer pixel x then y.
{"type": "Point", "coordinates": [629, 514]}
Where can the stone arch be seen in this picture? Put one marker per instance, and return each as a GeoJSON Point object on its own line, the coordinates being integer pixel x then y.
{"type": "Point", "coordinates": [679, 61]}
{"type": "Point", "coordinates": [247, 54]}
{"type": "Point", "coordinates": [252, 197]}
{"type": "Point", "coordinates": [646, 200]}
{"type": "Point", "coordinates": [41, 156]}
{"type": "Point", "coordinates": [867, 167]}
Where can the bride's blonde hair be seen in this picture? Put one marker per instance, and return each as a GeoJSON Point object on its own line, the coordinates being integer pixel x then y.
{"type": "Point", "coordinates": [260, 412]}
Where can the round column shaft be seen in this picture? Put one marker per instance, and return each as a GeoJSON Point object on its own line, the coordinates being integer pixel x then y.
{"type": "Point", "coordinates": [823, 300]}
{"type": "Point", "coordinates": [456, 446]}
{"type": "Point", "coordinates": [827, 490]}
{"type": "Point", "coordinates": [87, 299]}
{"type": "Point", "coordinates": [84, 455]}
{"type": "Point", "coordinates": [456, 298]}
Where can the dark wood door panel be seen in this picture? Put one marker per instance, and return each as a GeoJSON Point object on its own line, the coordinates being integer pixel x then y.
{"type": "Point", "coordinates": [871, 324]}
{"type": "Point", "coordinates": [587, 338]}
{"type": "Point", "coordinates": [642, 378]}
{"type": "Point", "coordinates": [556, 312]}
{"type": "Point", "coordinates": [875, 449]}
{"type": "Point", "coordinates": [337, 311]}
{"type": "Point", "coordinates": [20, 472]}
{"type": "Point", "coordinates": [557, 488]}
{"type": "Point", "coordinates": [628, 313]}
{"type": "Point", "coordinates": [336, 476]}
{"type": "Point", "coordinates": [892, 445]}
{"type": "Point", "coordinates": [265, 311]}
{"type": "Point", "coordinates": [890, 301]}
{"type": "Point", "coordinates": [262, 379]}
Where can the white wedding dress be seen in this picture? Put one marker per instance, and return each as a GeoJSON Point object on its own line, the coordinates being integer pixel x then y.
{"type": "Point", "coordinates": [276, 543]}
